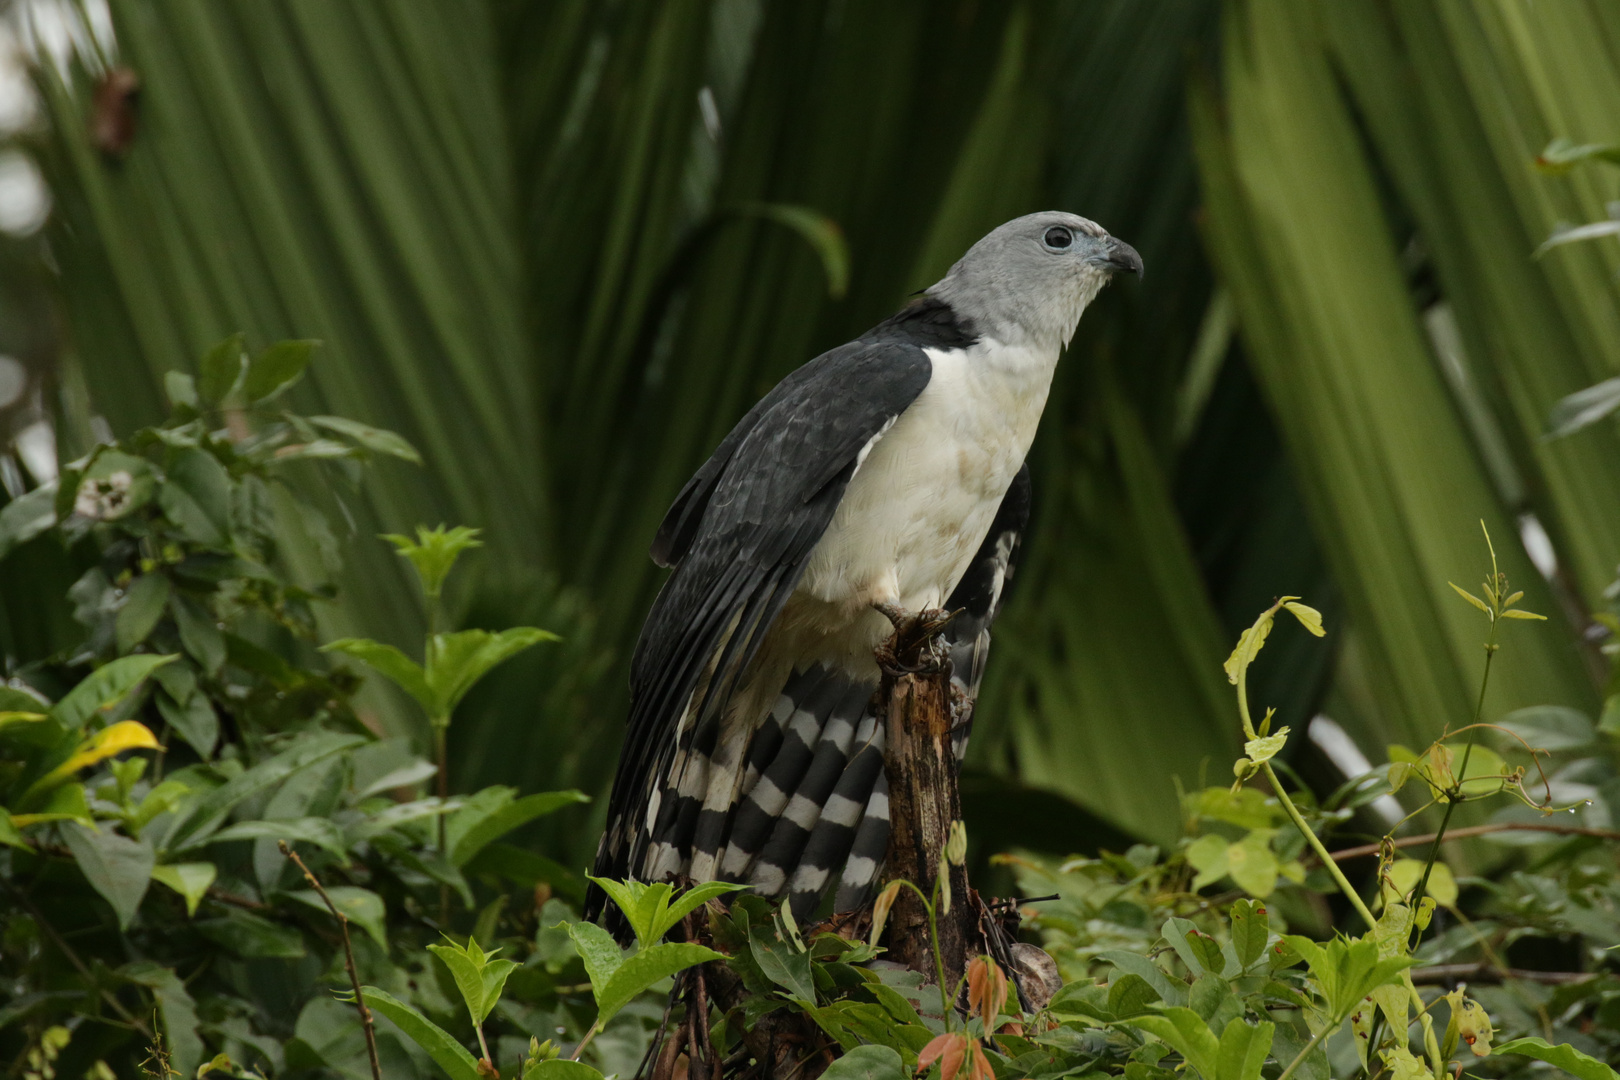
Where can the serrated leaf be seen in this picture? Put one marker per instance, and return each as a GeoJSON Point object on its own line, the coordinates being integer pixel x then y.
{"type": "Point", "coordinates": [600, 952]}
{"type": "Point", "coordinates": [1266, 747]}
{"type": "Point", "coordinates": [460, 659]}
{"type": "Point", "coordinates": [641, 970]}
{"type": "Point", "coordinates": [389, 661]}
{"type": "Point", "coordinates": [447, 1053]}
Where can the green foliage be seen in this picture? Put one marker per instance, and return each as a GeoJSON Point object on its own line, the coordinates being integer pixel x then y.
{"type": "Point", "coordinates": [193, 729]}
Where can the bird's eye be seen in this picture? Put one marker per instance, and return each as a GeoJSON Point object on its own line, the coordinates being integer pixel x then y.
{"type": "Point", "coordinates": [1057, 238]}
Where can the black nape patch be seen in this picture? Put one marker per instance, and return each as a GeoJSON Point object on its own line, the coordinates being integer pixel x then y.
{"type": "Point", "coordinates": [927, 322]}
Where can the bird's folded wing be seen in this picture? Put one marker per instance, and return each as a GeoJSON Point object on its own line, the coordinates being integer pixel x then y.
{"type": "Point", "coordinates": [738, 536]}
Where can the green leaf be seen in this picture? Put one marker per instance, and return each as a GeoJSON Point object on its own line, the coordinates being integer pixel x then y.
{"type": "Point", "coordinates": [446, 1052]}
{"type": "Point", "coordinates": [322, 832]}
{"type": "Point", "coordinates": [1208, 855]}
{"type": "Point", "coordinates": [640, 902]}
{"type": "Point", "coordinates": [360, 906]}
{"type": "Point", "coordinates": [1563, 154]}
{"type": "Point", "coordinates": [27, 516]}
{"type": "Point", "coordinates": [195, 721]}
{"type": "Point", "coordinates": [143, 606]}
{"type": "Point", "coordinates": [1170, 991]}
{"type": "Point", "coordinates": [1186, 1032]}
{"type": "Point", "coordinates": [210, 811]}
{"type": "Point", "coordinates": [221, 366]}
{"type": "Point", "coordinates": [479, 978]}
{"type": "Point", "coordinates": [398, 667]}
{"type": "Point", "coordinates": [600, 952]}
{"type": "Point", "coordinates": [460, 659]}
{"type": "Point", "coordinates": [252, 937]}
{"type": "Point", "coordinates": [1550, 727]}
{"type": "Point", "coordinates": [105, 687]}
{"type": "Point", "coordinates": [374, 439]}
{"type": "Point", "coordinates": [688, 902]}
{"type": "Point", "coordinates": [641, 970]}
{"type": "Point", "coordinates": [181, 389]}
{"type": "Point", "coordinates": [199, 633]}
{"type": "Point", "coordinates": [1130, 995]}
{"type": "Point", "coordinates": [784, 965]}
{"type": "Point", "coordinates": [471, 836]}
{"type": "Point", "coordinates": [1562, 1056]}
{"type": "Point", "coordinates": [1243, 1049]}
{"type": "Point", "coordinates": [179, 1013]}
{"type": "Point", "coordinates": [868, 1063]}
{"type": "Point", "coordinates": [196, 496]}
{"type": "Point", "coordinates": [819, 231]}
{"type": "Point", "coordinates": [276, 369]}
{"type": "Point", "coordinates": [1250, 931]}
{"type": "Point", "coordinates": [1265, 748]}
{"type": "Point", "coordinates": [1252, 863]}
{"type": "Point", "coordinates": [191, 880]}
{"type": "Point", "coordinates": [434, 552]}
{"type": "Point", "coordinates": [118, 868]}
{"type": "Point", "coordinates": [8, 831]}
{"type": "Point", "coordinates": [560, 1069]}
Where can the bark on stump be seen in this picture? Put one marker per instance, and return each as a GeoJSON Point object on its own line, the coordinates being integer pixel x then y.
{"type": "Point", "coordinates": [918, 711]}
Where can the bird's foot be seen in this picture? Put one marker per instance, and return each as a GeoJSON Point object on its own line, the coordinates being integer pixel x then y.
{"type": "Point", "coordinates": [916, 644]}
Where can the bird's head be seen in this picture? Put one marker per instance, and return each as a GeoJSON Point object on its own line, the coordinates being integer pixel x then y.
{"type": "Point", "coordinates": [1031, 278]}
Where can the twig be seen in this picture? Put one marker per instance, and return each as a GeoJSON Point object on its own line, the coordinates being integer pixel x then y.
{"type": "Point", "coordinates": [73, 958]}
{"type": "Point", "coordinates": [1490, 973]}
{"type": "Point", "coordinates": [348, 958]}
{"type": "Point", "coordinates": [1479, 830]}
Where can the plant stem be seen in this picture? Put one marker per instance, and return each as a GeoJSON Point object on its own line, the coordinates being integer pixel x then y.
{"type": "Point", "coordinates": [939, 958]}
{"type": "Point", "coordinates": [441, 757]}
{"type": "Point", "coordinates": [482, 1045]}
{"type": "Point", "coordinates": [1344, 854]}
{"type": "Point", "coordinates": [589, 1035]}
{"type": "Point", "coordinates": [1430, 1043]}
{"type": "Point", "coordinates": [348, 959]}
{"type": "Point", "coordinates": [1304, 1053]}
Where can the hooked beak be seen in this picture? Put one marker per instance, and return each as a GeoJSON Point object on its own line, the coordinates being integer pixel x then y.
{"type": "Point", "coordinates": [1119, 256]}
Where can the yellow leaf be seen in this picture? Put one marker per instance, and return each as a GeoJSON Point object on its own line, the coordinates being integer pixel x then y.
{"type": "Point", "coordinates": [1517, 613]}
{"type": "Point", "coordinates": [1266, 748]}
{"type": "Point", "coordinates": [1514, 599]}
{"type": "Point", "coordinates": [1470, 597]}
{"type": "Point", "coordinates": [1249, 645]}
{"type": "Point", "coordinates": [124, 735]}
{"type": "Point", "coordinates": [880, 909]}
{"type": "Point", "coordinates": [1308, 617]}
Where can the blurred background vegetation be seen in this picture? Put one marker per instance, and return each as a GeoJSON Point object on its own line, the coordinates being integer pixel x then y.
{"type": "Point", "coordinates": [561, 247]}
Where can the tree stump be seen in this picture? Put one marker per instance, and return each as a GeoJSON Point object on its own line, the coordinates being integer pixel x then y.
{"type": "Point", "coordinates": [924, 800]}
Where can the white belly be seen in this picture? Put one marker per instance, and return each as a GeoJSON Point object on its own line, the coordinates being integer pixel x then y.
{"type": "Point", "coordinates": [920, 504]}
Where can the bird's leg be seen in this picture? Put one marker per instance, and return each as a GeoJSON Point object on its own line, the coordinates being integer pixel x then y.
{"type": "Point", "coordinates": [915, 634]}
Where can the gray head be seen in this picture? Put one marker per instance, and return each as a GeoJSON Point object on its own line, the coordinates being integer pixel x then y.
{"type": "Point", "coordinates": [1028, 280]}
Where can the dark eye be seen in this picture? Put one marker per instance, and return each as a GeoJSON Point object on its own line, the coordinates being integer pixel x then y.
{"type": "Point", "coordinates": [1057, 238]}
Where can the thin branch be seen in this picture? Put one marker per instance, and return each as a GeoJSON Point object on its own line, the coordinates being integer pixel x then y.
{"type": "Point", "coordinates": [348, 958]}
{"type": "Point", "coordinates": [1480, 830]}
{"type": "Point", "coordinates": [73, 958]}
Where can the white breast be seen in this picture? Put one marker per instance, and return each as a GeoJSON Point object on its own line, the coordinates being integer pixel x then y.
{"type": "Point", "coordinates": [924, 495]}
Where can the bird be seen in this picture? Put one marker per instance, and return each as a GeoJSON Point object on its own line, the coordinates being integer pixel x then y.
{"type": "Point", "coordinates": [880, 482]}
